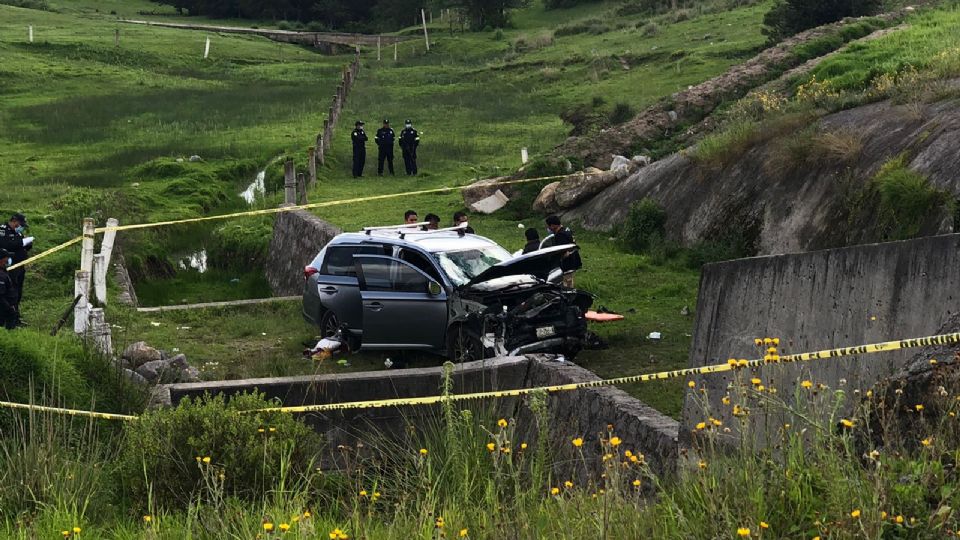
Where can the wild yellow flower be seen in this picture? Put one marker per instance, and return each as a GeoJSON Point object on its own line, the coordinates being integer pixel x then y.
{"type": "Point", "coordinates": [491, 446]}
{"type": "Point", "coordinates": [439, 522]}
{"type": "Point", "coordinates": [743, 362]}
{"type": "Point", "coordinates": [764, 525]}
{"type": "Point", "coordinates": [66, 534]}
{"type": "Point", "coordinates": [869, 393]}
{"type": "Point", "coordinates": [725, 400]}
{"type": "Point", "coordinates": [578, 442]}
{"type": "Point", "coordinates": [816, 538]}
{"type": "Point", "coordinates": [363, 493]}
{"type": "Point", "coordinates": [883, 514]}
{"type": "Point", "coordinates": [691, 384]}
{"type": "Point", "coordinates": [76, 530]}
{"type": "Point", "coordinates": [846, 423]}
{"type": "Point", "coordinates": [502, 423]}
{"type": "Point", "coordinates": [607, 457]}
{"type": "Point", "coordinates": [758, 342]}
{"type": "Point", "coordinates": [898, 519]}
{"type": "Point", "coordinates": [634, 459]}
{"type": "Point", "coordinates": [716, 422]}
{"type": "Point", "coordinates": [761, 388]}
{"type": "Point", "coordinates": [755, 381]}
{"type": "Point", "coordinates": [855, 513]}
{"type": "Point", "coordinates": [636, 483]}
{"type": "Point", "coordinates": [701, 425]}
{"type": "Point", "coordinates": [463, 533]}
{"type": "Point", "coordinates": [874, 455]}
{"type": "Point", "coordinates": [337, 534]}
{"type": "Point", "coordinates": [261, 430]}
{"type": "Point", "coordinates": [423, 451]}
{"type": "Point", "coordinates": [739, 411]}
{"type": "Point", "coordinates": [147, 518]}
{"type": "Point", "coordinates": [772, 350]}
{"type": "Point", "coordinates": [927, 442]}
{"type": "Point", "coordinates": [615, 441]}
{"type": "Point", "coordinates": [702, 464]}
{"type": "Point", "coordinates": [776, 341]}
{"type": "Point", "coordinates": [206, 459]}
{"type": "Point", "coordinates": [918, 407]}
{"type": "Point", "coordinates": [306, 513]}
{"type": "Point", "coordinates": [732, 362]}
{"type": "Point", "coordinates": [743, 531]}
{"type": "Point", "coordinates": [554, 491]}
{"type": "Point", "coordinates": [284, 527]}
{"type": "Point", "coordinates": [268, 526]}
{"type": "Point", "coordinates": [806, 384]}
{"type": "Point", "coordinates": [273, 429]}
{"type": "Point", "coordinates": [505, 449]}
{"type": "Point", "coordinates": [933, 361]}
{"type": "Point", "coordinates": [767, 341]}
{"type": "Point", "coordinates": [628, 453]}
{"type": "Point", "coordinates": [523, 446]}
{"type": "Point", "coordinates": [568, 484]}
{"type": "Point", "coordinates": [376, 495]}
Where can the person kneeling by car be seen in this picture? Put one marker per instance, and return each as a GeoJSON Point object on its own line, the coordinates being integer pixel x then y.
{"type": "Point", "coordinates": [571, 261]}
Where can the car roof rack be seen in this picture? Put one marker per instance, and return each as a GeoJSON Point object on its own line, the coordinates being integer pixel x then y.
{"type": "Point", "coordinates": [415, 228]}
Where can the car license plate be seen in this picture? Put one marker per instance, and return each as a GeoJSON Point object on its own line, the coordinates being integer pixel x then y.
{"type": "Point", "coordinates": [546, 331]}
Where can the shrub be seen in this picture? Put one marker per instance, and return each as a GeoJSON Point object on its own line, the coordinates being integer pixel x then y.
{"type": "Point", "coordinates": [621, 113]}
{"type": "Point", "coordinates": [590, 26]}
{"type": "Point", "coordinates": [498, 35]}
{"type": "Point", "coordinates": [556, 4]}
{"type": "Point", "coordinates": [645, 225]}
{"type": "Point", "coordinates": [526, 43]}
{"type": "Point", "coordinates": [720, 149]}
{"type": "Point", "coordinates": [907, 200]}
{"type": "Point", "coordinates": [650, 29]}
{"type": "Point", "coordinates": [160, 454]}
{"type": "Point", "coordinates": [41, 5]}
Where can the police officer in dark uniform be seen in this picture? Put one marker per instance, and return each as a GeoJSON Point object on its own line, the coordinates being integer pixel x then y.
{"type": "Point", "coordinates": [9, 316]}
{"type": "Point", "coordinates": [384, 139]}
{"type": "Point", "coordinates": [359, 148]}
{"type": "Point", "coordinates": [409, 141]}
{"type": "Point", "coordinates": [13, 242]}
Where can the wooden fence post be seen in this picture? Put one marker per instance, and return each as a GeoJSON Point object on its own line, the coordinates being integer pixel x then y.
{"type": "Point", "coordinates": [81, 312]}
{"type": "Point", "coordinates": [100, 332]}
{"type": "Point", "coordinates": [301, 189]}
{"type": "Point", "coordinates": [30, 33]}
{"type": "Point", "coordinates": [394, 51]}
{"type": "Point", "coordinates": [101, 263]}
{"type": "Point", "coordinates": [378, 48]}
{"type": "Point", "coordinates": [289, 183]}
{"type": "Point", "coordinates": [426, 37]}
{"type": "Point", "coordinates": [86, 253]}
{"type": "Point", "coordinates": [312, 165]}
{"type": "Point", "coordinates": [116, 37]}
{"type": "Point", "coordinates": [206, 49]}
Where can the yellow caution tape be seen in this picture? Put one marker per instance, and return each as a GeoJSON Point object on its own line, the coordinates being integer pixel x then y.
{"type": "Point", "coordinates": [719, 368]}
{"type": "Point", "coordinates": [325, 204]}
{"type": "Point", "coordinates": [942, 339]}
{"type": "Point", "coordinates": [50, 251]}
{"type": "Point", "coordinates": [70, 412]}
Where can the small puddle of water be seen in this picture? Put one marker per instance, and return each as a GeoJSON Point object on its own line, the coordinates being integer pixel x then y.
{"type": "Point", "coordinates": [196, 261]}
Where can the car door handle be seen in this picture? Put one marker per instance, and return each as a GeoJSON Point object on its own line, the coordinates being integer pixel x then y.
{"type": "Point", "coordinates": [374, 306]}
{"type": "Point", "coordinates": [328, 290]}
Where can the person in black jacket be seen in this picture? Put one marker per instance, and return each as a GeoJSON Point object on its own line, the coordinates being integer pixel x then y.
{"type": "Point", "coordinates": [384, 139]}
{"type": "Point", "coordinates": [359, 148]}
{"type": "Point", "coordinates": [409, 141]}
{"type": "Point", "coordinates": [533, 241]}
{"type": "Point", "coordinates": [459, 218]}
{"type": "Point", "coordinates": [8, 293]}
{"type": "Point", "coordinates": [571, 261]}
{"type": "Point", "coordinates": [13, 241]}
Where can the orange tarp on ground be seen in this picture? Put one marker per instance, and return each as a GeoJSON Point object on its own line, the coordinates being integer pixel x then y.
{"type": "Point", "coordinates": [593, 316]}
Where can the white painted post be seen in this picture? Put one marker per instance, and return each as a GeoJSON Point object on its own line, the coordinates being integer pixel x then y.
{"type": "Point", "coordinates": [101, 263]}
{"type": "Point", "coordinates": [524, 156]}
{"type": "Point", "coordinates": [312, 165]}
{"type": "Point", "coordinates": [357, 45]}
{"type": "Point", "coordinates": [394, 51]}
{"type": "Point", "coordinates": [30, 33]}
{"type": "Point", "coordinates": [426, 37]}
{"type": "Point", "coordinates": [100, 332]}
{"type": "Point", "coordinates": [206, 49]}
{"type": "Point", "coordinates": [86, 253]}
{"type": "Point", "coordinates": [81, 313]}
{"type": "Point", "coordinates": [378, 48]}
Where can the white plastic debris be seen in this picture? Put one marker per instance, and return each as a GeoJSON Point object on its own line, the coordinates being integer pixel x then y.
{"type": "Point", "coordinates": [388, 363]}
{"type": "Point", "coordinates": [520, 226]}
{"type": "Point", "coordinates": [154, 323]}
{"type": "Point", "coordinates": [654, 336]}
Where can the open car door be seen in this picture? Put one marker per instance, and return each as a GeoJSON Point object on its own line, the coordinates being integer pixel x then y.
{"type": "Point", "coordinates": [403, 308]}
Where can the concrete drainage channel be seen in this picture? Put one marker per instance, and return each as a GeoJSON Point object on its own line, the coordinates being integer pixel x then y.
{"type": "Point", "coordinates": [582, 413]}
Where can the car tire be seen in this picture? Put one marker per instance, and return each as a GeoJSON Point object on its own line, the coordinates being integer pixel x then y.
{"type": "Point", "coordinates": [463, 346]}
{"type": "Point", "coordinates": [329, 324]}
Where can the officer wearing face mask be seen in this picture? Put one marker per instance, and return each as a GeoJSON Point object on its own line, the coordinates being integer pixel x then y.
{"type": "Point", "coordinates": [8, 313]}
{"type": "Point", "coordinates": [18, 247]}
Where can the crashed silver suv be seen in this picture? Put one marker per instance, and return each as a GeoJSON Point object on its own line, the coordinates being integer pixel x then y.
{"type": "Point", "coordinates": [446, 292]}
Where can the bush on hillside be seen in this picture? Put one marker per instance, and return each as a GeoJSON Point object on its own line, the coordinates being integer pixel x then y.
{"type": "Point", "coordinates": [558, 4]}
{"type": "Point", "coordinates": [907, 200]}
{"type": "Point", "coordinates": [789, 17]}
{"type": "Point", "coordinates": [645, 225]}
{"type": "Point", "coordinates": [162, 453]}
{"type": "Point", "coordinates": [589, 26]}
{"type": "Point", "coordinates": [622, 112]}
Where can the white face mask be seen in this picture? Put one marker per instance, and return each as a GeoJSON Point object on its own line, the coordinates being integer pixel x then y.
{"type": "Point", "coordinates": [9, 261]}
{"type": "Point", "coordinates": [19, 229]}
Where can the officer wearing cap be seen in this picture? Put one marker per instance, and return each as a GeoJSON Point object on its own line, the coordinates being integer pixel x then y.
{"type": "Point", "coordinates": [9, 316]}
{"type": "Point", "coordinates": [409, 141]}
{"type": "Point", "coordinates": [359, 148]}
{"type": "Point", "coordinates": [13, 242]}
{"type": "Point", "coordinates": [384, 139]}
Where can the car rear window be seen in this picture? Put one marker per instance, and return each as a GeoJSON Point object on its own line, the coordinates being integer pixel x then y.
{"type": "Point", "coordinates": [339, 259]}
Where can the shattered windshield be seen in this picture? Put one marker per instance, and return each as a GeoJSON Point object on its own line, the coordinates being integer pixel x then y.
{"type": "Point", "coordinates": [462, 266]}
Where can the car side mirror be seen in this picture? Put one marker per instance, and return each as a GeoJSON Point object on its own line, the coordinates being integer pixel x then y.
{"type": "Point", "coordinates": [434, 288]}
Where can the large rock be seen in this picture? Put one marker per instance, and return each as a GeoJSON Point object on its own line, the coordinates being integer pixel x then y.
{"type": "Point", "coordinates": [620, 162]}
{"type": "Point", "coordinates": [577, 188]}
{"type": "Point", "coordinates": [482, 189]}
{"type": "Point", "coordinates": [546, 201]}
{"type": "Point", "coordinates": [140, 353]}
{"type": "Point", "coordinates": [134, 377]}
{"type": "Point", "coordinates": [154, 370]}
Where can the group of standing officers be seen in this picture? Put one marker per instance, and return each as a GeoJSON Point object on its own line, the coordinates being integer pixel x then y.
{"type": "Point", "coordinates": [409, 141]}
{"type": "Point", "coordinates": [14, 248]}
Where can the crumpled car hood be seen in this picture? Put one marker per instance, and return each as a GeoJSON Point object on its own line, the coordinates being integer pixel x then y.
{"type": "Point", "coordinates": [539, 263]}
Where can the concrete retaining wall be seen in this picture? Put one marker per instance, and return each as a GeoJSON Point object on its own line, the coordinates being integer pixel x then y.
{"type": "Point", "coordinates": [823, 300]}
{"type": "Point", "coordinates": [297, 238]}
{"type": "Point", "coordinates": [583, 413]}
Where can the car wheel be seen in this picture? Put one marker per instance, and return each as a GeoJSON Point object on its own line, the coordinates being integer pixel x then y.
{"type": "Point", "coordinates": [329, 324]}
{"type": "Point", "coordinates": [462, 346]}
